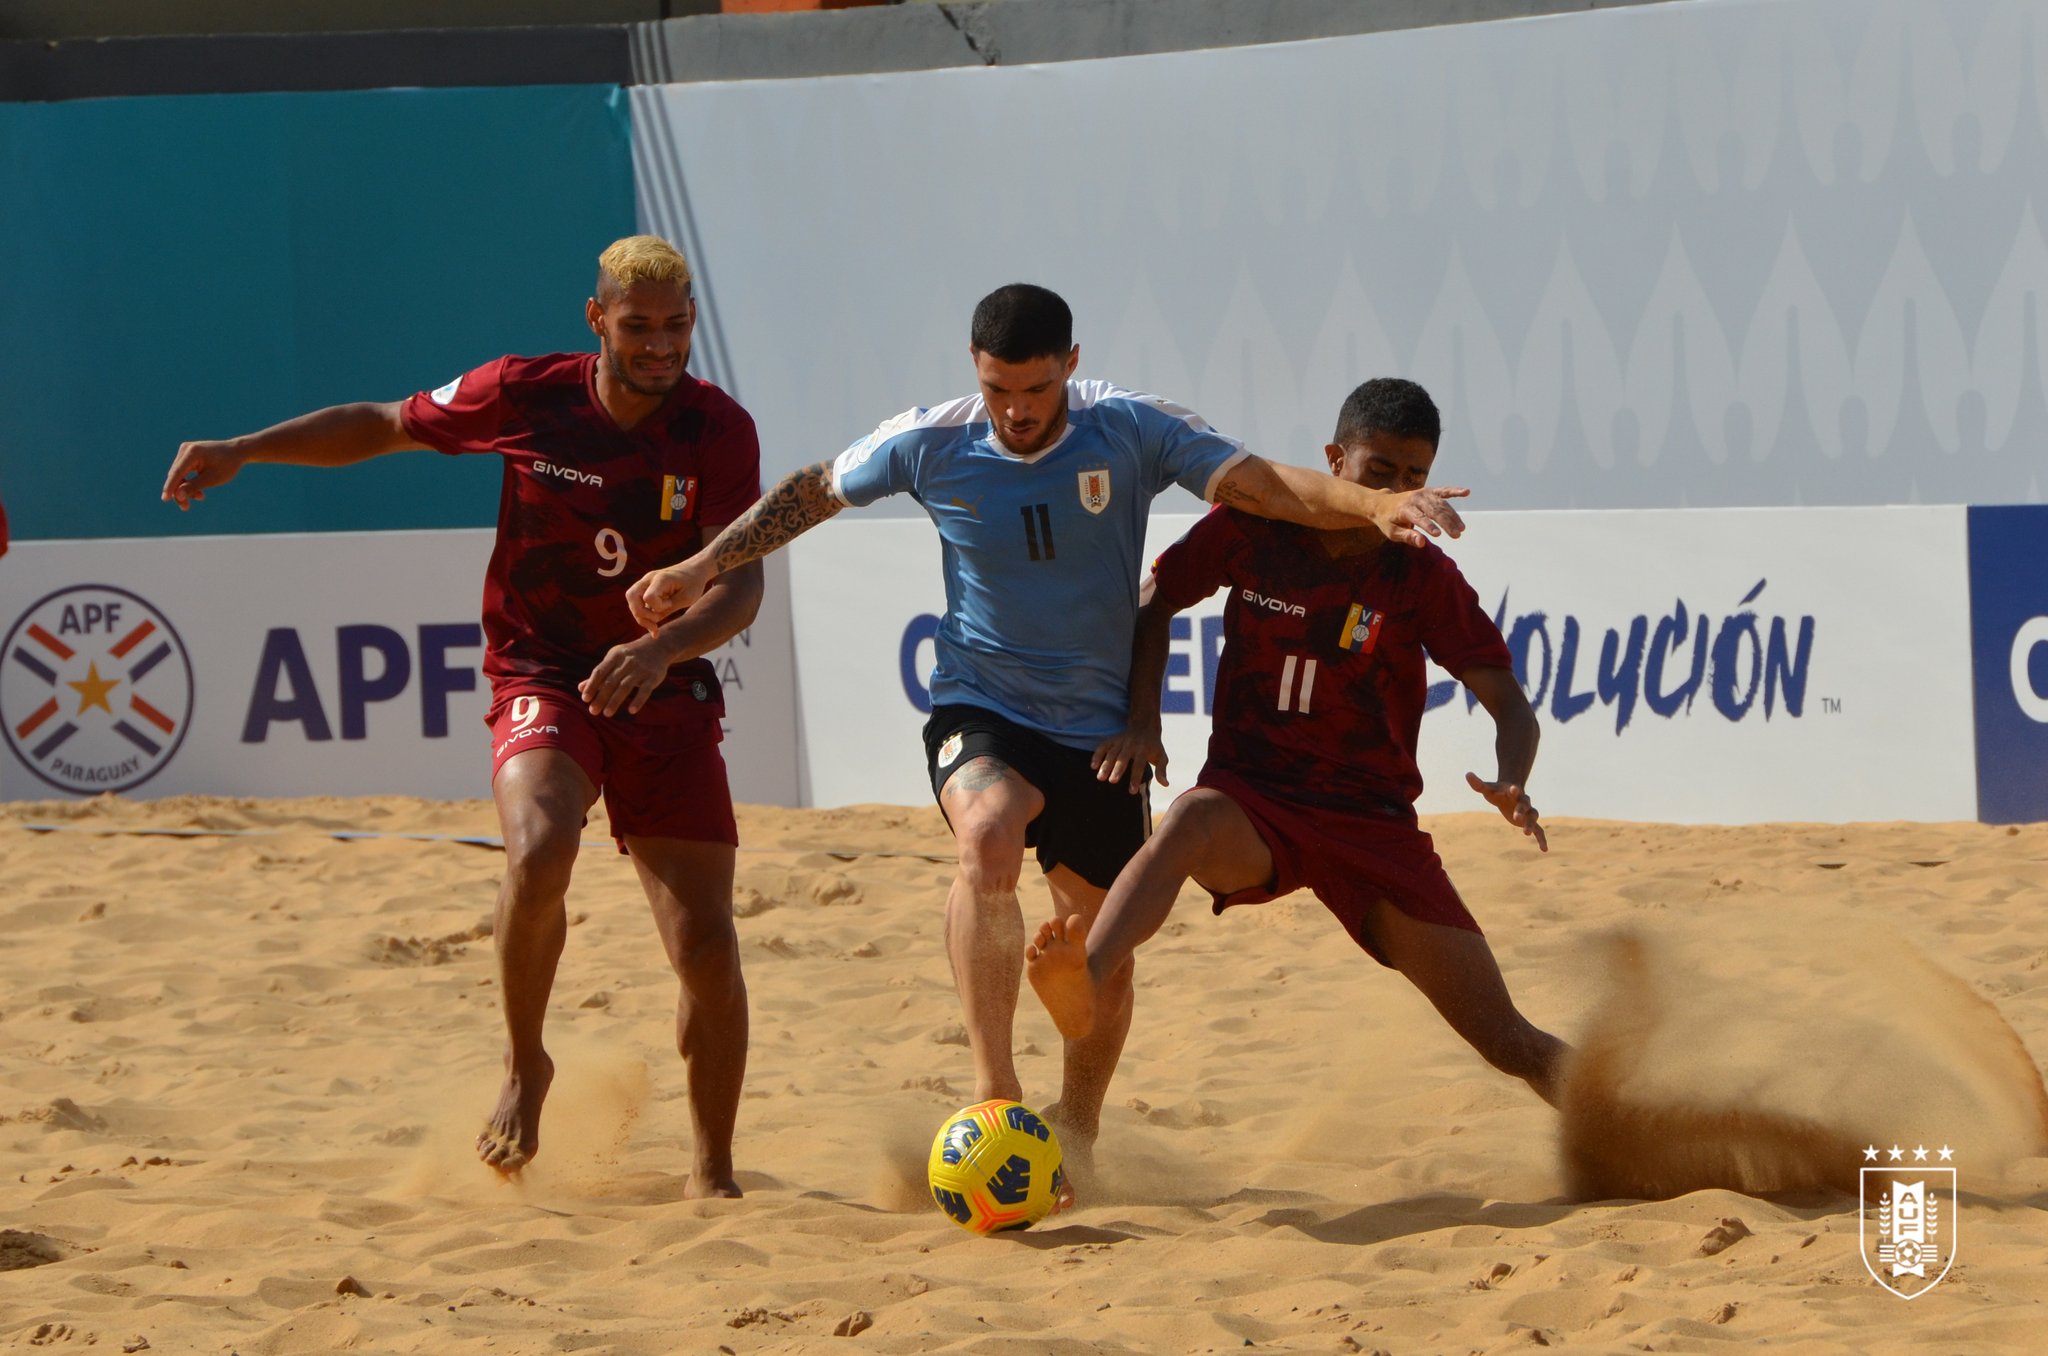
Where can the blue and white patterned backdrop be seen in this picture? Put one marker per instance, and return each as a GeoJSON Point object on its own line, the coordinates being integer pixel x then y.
{"type": "Point", "coordinates": [1739, 252]}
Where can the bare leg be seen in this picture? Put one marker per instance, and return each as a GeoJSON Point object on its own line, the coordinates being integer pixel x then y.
{"type": "Point", "coordinates": [689, 887]}
{"type": "Point", "coordinates": [989, 806]}
{"type": "Point", "coordinates": [542, 796]}
{"type": "Point", "coordinates": [1089, 1060]}
{"type": "Point", "coordinates": [1204, 835]}
{"type": "Point", "coordinates": [1456, 971]}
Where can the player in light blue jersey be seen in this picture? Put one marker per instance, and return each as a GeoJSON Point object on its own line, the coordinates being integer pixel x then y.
{"type": "Point", "coordinates": [1046, 648]}
{"type": "Point", "coordinates": [1040, 486]}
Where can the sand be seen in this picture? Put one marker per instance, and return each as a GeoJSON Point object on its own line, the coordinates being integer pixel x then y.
{"type": "Point", "coordinates": [239, 1079]}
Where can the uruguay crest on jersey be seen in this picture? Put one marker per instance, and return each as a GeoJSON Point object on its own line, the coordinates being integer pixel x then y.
{"type": "Point", "coordinates": [1094, 489]}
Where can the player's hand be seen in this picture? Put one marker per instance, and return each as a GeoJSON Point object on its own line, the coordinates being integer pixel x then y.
{"type": "Point", "coordinates": [197, 468]}
{"type": "Point", "coordinates": [626, 677]}
{"type": "Point", "coordinates": [1414, 516]}
{"type": "Point", "coordinates": [1513, 804]}
{"type": "Point", "coordinates": [660, 594]}
{"type": "Point", "coordinates": [1128, 754]}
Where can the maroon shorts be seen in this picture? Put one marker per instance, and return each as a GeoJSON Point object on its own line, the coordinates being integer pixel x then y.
{"type": "Point", "coordinates": [662, 780]}
{"type": "Point", "coordinates": [1351, 861]}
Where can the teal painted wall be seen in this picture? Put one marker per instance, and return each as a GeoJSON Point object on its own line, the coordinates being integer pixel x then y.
{"type": "Point", "coordinates": [202, 266]}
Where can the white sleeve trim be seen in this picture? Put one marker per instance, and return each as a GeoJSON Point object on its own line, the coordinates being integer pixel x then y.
{"type": "Point", "coordinates": [1216, 476]}
{"type": "Point", "coordinates": [838, 490]}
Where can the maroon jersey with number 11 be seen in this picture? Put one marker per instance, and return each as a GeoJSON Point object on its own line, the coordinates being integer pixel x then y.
{"type": "Point", "coordinates": [588, 507]}
{"type": "Point", "coordinates": [1320, 688]}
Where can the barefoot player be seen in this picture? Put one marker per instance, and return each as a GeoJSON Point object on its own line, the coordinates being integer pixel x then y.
{"type": "Point", "coordinates": [1040, 487]}
{"type": "Point", "coordinates": [1311, 778]}
{"type": "Point", "coordinates": [610, 460]}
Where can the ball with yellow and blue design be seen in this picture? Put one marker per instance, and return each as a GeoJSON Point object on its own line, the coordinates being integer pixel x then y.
{"type": "Point", "coordinates": [995, 1166]}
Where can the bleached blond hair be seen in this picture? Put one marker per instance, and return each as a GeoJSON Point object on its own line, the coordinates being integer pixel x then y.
{"type": "Point", "coordinates": [638, 259]}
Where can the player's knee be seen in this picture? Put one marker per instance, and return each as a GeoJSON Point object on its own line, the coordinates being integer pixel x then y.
{"type": "Point", "coordinates": [708, 949]}
{"type": "Point", "coordinates": [1190, 828]}
{"type": "Point", "coordinates": [539, 856]}
{"type": "Point", "coordinates": [541, 838]}
{"type": "Point", "coordinates": [991, 856]}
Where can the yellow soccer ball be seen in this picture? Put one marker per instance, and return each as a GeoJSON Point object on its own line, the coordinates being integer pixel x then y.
{"type": "Point", "coordinates": [996, 1166]}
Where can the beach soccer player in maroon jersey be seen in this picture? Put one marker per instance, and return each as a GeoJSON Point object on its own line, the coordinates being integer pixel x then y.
{"type": "Point", "coordinates": [612, 461]}
{"type": "Point", "coordinates": [1311, 778]}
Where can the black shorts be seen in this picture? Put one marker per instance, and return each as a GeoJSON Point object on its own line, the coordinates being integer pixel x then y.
{"type": "Point", "coordinates": [1090, 827]}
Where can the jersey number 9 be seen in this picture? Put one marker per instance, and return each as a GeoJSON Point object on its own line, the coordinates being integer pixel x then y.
{"type": "Point", "coordinates": [611, 546]}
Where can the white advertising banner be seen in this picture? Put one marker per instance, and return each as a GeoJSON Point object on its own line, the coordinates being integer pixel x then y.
{"type": "Point", "coordinates": [285, 665]}
{"type": "Point", "coordinates": [1726, 666]}
{"type": "Point", "coordinates": [1691, 666]}
{"type": "Point", "coordinates": [1719, 666]}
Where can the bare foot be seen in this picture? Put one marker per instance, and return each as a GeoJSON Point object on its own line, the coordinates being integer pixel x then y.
{"type": "Point", "coordinates": [1056, 962]}
{"type": "Point", "coordinates": [706, 1186]}
{"type": "Point", "coordinates": [1063, 1199]}
{"type": "Point", "coordinates": [511, 1137]}
{"type": "Point", "coordinates": [1077, 1151]}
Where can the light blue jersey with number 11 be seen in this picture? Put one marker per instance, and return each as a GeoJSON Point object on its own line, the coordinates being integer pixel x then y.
{"type": "Point", "coordinates": [1043, 554]}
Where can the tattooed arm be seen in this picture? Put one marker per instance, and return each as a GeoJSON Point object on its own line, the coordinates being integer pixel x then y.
{"type": "Point", "coordinates": [1270, 489]}
{"type": "Point", "coordinates": [799, 502]}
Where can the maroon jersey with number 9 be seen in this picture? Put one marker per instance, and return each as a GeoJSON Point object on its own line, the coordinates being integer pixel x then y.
{"type": "Point", "coordinates": [587, 508]}
{"type": "Point", "coordinates": [1320, 688]}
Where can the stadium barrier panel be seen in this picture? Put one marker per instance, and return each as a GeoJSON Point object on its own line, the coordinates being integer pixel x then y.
{"type": "Point", "coordinates": [1702, 666]}
{"type": "Point", "coordinates": [338, 663]}
{"type": "Point", "coordinates": [1715, 666]}
{"type": "Point", "coordinates": [2009, 645]}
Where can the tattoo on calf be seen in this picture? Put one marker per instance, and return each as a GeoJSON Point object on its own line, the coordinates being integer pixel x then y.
{"type": "Point", "coordinates": [800, 501]}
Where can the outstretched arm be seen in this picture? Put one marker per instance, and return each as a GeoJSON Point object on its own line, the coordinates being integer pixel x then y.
{"type": "Point", "coordinates": [1140, 743]}
{"type": "Point", "coordinates": [1271, 489]}
{"type": "Point", "coordinates": [339, 435]}
{"type": "Point", "coordinates": [1514, 748]}
{"type": "Point", "coordinates": [799, 502]}
{"type": "Point", "coordinates": [631, 673]}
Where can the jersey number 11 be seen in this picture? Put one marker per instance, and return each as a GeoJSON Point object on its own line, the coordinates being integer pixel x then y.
{"type": "Point", "coordinates": [1294, 698]}
{"type": "Point", "coordinates": [1040, 531]}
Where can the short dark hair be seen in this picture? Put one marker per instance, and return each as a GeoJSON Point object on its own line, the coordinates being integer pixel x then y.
{"type": "Point", "coordinates": [1020, 321]}
{"type": "Point", "coordinates": [1388, 405]}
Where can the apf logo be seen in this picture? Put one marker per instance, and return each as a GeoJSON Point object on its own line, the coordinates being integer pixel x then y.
{"type": "Point", "coordinates": [1908, 1226]}
{"type": "Point", "coordinates": [95, 689]}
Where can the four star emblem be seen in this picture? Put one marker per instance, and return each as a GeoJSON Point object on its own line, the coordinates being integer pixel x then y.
{"type": "Point", "coordinates": [1898, 1153]}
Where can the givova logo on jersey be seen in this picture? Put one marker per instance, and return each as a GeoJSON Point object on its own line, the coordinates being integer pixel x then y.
{"type": "Point", "coordinates": [95, 689]}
